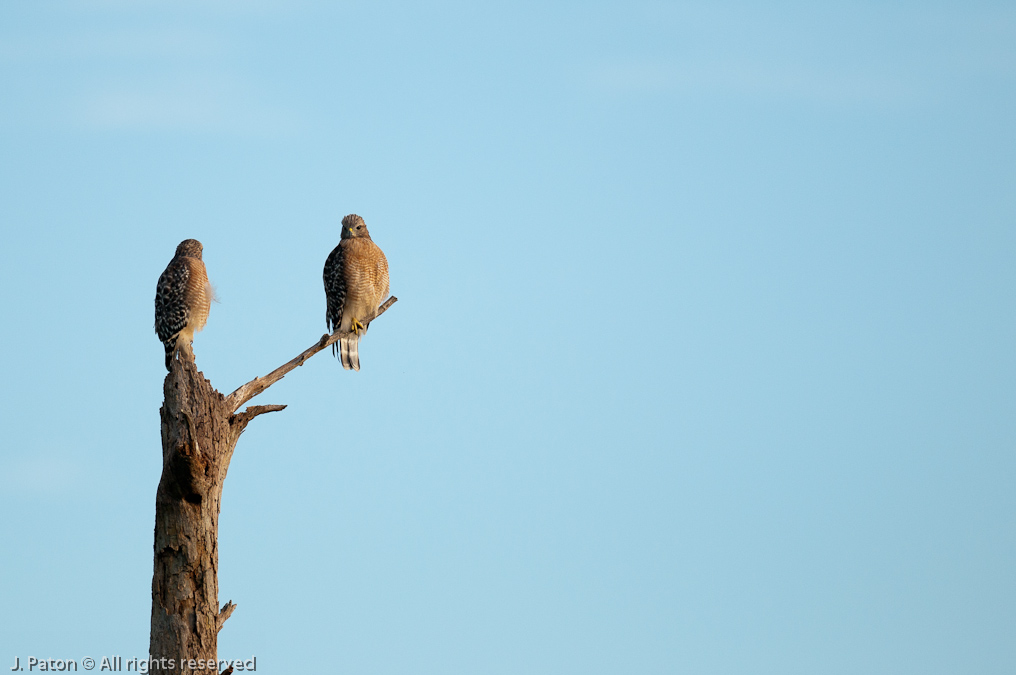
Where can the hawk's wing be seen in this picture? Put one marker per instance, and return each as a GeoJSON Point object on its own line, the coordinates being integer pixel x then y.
{"type": "Point", "coordinates": [171, 301]}
{"type": "Point", "coordinates": [335, 287]}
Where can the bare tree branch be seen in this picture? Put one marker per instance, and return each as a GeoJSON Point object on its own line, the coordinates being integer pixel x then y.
{"type": "Point", "coordinates": [239, 421]}
{"type": "Point", "coordinates": [259, 384]}
{"type": "Point", "coordinates": [224, 613]}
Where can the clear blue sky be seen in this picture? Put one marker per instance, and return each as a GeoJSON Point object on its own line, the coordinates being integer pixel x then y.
{"type": "Point", "coordinates": [703, 361]}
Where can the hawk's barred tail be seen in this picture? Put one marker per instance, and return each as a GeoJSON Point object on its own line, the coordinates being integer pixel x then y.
{"type": "Point", "coordinates": [170, 346]}
{"type": "Point", "coordinates": [349, 353]}
{"type": "Point", "coordinates": [354, 352]}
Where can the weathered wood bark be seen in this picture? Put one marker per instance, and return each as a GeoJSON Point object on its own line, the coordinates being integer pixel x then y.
{"type": "Point", "coordinates": [199, 433]}
{"type": "Point", "coordinates": [200, 428]}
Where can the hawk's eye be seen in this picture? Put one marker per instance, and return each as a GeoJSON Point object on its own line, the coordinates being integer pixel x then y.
{"type": "Point", "coordinates": [358, 227]}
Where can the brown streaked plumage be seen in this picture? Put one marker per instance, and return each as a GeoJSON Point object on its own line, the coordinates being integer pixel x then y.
{"type": "Point", "coordinates": [356, 283]}
{"type": "Point", "coordinates": [182, 298]}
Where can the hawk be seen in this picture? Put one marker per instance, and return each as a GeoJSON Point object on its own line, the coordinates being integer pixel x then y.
{"type": "Point", "coordinates": [182, 298]}
{"type": "Point", "coordinates": [356, 282]}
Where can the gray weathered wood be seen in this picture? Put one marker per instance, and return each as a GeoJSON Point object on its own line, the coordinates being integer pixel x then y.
{"type": "Point", "coordinates": [200, 428]}
{"type": "Point", "coordinates": [198, 438]}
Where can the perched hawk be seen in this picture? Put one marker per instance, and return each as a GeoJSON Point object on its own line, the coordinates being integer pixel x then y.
{"type": "Point", "coordinates": [356, 282]}
{"type": "Point", "coordinates": [182, 299]}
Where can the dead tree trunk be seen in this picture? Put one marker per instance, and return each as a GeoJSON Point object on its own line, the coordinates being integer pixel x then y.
{"type": "Point", "coordinates": [200, 428]}
{"type": "Point", "coordinates": [197, 443]}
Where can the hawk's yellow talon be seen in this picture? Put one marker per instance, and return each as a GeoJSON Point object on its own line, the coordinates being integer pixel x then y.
{"type": "Point", "coordinates": [356, 326]}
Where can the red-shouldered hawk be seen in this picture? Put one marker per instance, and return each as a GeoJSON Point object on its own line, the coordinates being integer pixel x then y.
{"type": "Point", "coordinates": [356, 283]}
{"type": "Point", "coordinates": [182, 299]}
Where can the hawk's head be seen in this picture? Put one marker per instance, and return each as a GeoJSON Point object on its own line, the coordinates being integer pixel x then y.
{"type": "Point", "coordinates": [353, 226]}
{"type": "Point", "coordinates": [190, 247]}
